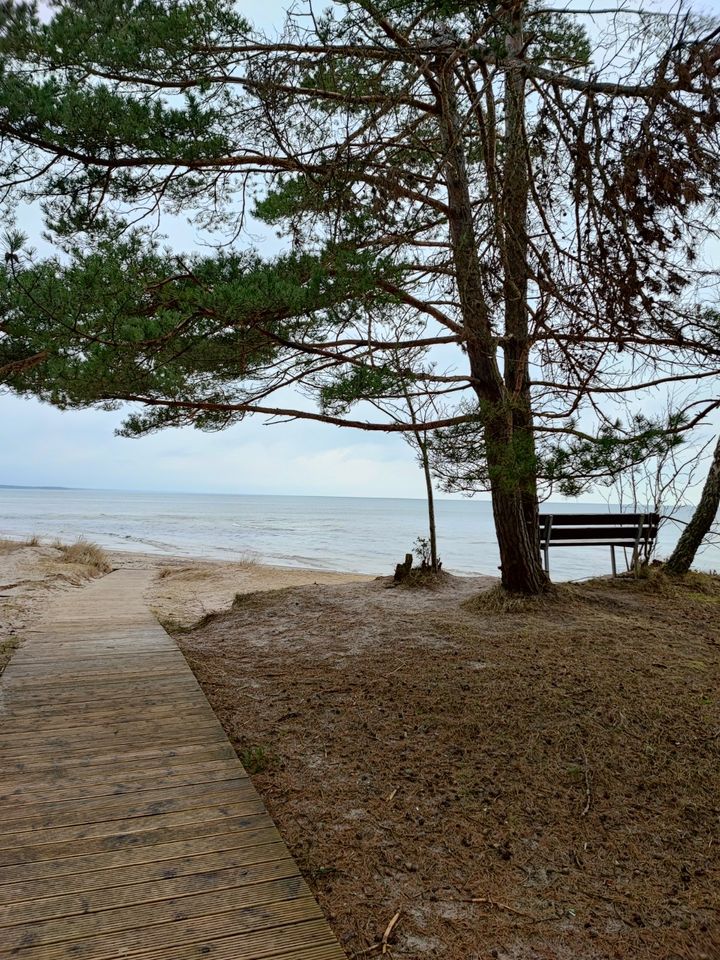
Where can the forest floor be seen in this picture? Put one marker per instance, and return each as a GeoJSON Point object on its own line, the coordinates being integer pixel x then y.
{"type": "Point", "coordinates": [533, 783]}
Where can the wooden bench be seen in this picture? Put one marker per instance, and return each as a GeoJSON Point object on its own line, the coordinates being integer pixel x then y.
{"type": "Point", "coordinates": [635, 531]}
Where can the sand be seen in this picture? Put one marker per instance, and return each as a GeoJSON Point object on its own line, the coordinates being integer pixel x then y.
{"type": "Point", "coordinates": [183, 591]}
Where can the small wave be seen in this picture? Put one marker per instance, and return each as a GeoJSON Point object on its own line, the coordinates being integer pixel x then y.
{"type": "Point", "coordinates": [160, 544]}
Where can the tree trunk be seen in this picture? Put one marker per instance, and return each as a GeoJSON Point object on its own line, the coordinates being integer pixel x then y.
{"type": "Point", "coordinates": [521, 570]}
{"type": "Point", "coordinates": [515, 191]}
{"type": "Point", "coordinates": [512, 490]}
{"type": "Point", "coordinates": [434, 560]}
{"type": "Point", "coordinates": [702, 520]}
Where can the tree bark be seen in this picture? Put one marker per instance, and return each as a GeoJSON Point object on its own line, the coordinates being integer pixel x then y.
{"type": "Point", "coordinates": [521, 570]}
{"type": "Point", "coordinates": [695, 532]}
{"type": "Point", "coordinates": [513, 491]}
{"type": "Point", "coordinates": [516, 350]}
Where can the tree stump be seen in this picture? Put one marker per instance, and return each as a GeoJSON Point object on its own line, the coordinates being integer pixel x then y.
{"type": "Point", "coordinates": [403, 569]}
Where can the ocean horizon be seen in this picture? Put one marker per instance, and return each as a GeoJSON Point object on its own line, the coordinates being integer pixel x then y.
{"type": "Point", "coordinates": [354, 534]}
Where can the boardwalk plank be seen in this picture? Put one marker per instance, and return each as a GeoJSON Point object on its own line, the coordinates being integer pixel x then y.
{"type": "Point", "coordinates": [177, 933]}
{"type": "Point", "coordinates": [147, 758]}
{"type": "Point", "coordinates": [129, 826]}
{"type": "Point", "coordinates": [93, 901]}
{"type": "Point", "coordinates": [64, 776]}
{"type": "Point", "coordinates": [110, 898]}
{"type": "Point", "coordinates": [132, 782]}
{"type": "Point", "coordinates": [138, 838]}
{"type": "Point", "coordinates": [143, 915]}
{"type": "Point", "coordinates": [73, 813]}
{"type": "Point", "coordinates": [109, 828]}
{"type": "Point", "coordinates": [38, 889]}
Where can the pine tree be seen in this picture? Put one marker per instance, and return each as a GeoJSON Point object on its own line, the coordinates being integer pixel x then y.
{"type": "Point", "coordinates": [465, 166]}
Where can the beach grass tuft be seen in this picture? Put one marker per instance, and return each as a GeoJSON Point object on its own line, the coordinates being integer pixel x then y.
{"type": "Point", "coordinates": [85, 553]}
{"type": "Point", "coordinates": [7, 648]}
{"type": "Point", "coordinates": [10, 546]}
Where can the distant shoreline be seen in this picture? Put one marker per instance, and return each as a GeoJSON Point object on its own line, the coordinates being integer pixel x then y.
{"type": "Point", "coordinates": [216, 493]}
{"type": "Point", "coordinates": [25, 486]}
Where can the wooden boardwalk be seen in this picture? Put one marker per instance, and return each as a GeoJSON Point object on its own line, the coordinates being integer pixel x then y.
{"type": "Point", "coordinates": [128, 827]}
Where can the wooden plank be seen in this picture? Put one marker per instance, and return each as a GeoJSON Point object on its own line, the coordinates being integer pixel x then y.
{"type": "Point", "coordinates": [39, 889]}
{"type": "Point", "coordinates": [64, 776]}
{"type": "Point", "coordinates": [21, 797]}
{"type": "Point", "coordinates": [177, 700]}
{"type": "Point", "coordinates": [117, 748]}
{"type": "Point", "coordinates": [89, 661]}
{"type": "Point", "coordinates": [47, 655]}
{"type": "Point", "coordinates": [175, 849]}
{"type": "Point", "coordinates": [120, 920]}
{"type": "Point", "coordinates": [589, 534]}
{"type": "Point", "coordinates": [93, 901]}
{"type": "Point", "coordinates": [142, 727]}
{"type": "Point", "coordinates": [98, 808]}
{"type": "Point", "coordinates": [117, 686]}
{"type": "Point", "coordinates": [72, 743]}
{"type": "Point", "coordinates": [600, 519]}
{"type": "Point", "coordinates": [126, 713]}
{"type": "Point", "coordinates": [38, 657]}
{"type": "Point", "coordinates": [108, 946]}
{"type": "Point", "coordinates": [86, 812]}
{"type": "Point", "coordinates": [111, 828]}
{"type": "Point", "coordinates": [142, 756]}
{"type": "Point", "coordinates": [129, 826]}
{"type": "Point", "coordinates": [17, 680]}
{"type": "Point", "coordinates": [32, 851]}
{"type": "Point", "coordinates": [303, 941]}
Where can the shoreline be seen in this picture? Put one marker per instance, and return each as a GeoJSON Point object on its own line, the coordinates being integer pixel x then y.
{"type": "Point", "coordinates": [120, 554]}
{"type": "Point", "coordinates": [122, 557]}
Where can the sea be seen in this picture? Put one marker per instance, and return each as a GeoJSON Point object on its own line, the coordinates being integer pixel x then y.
{"type": "Point", "coordinates": [364, 535]}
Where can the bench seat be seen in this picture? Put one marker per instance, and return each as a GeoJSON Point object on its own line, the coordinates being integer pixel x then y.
{"type": "Point", "coordinates": [635, 531]}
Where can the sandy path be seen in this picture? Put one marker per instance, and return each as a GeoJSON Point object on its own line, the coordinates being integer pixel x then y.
{"type": "Point", "coordinates": [185, 591]}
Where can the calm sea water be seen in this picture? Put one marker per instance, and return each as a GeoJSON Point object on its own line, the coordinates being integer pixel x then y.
{"type": "Point", "coordinates": [332, 533]}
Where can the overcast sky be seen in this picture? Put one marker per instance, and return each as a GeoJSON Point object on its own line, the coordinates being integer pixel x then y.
{"type": "Point", "coordinates": [41, 445]}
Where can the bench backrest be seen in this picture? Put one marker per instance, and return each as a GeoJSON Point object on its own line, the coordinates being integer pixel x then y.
{"type": "Point", "coordinates": [610, 529]}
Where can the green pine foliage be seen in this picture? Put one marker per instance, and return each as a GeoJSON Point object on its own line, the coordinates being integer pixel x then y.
{"type": "Point", "coordinates": [126, 318]}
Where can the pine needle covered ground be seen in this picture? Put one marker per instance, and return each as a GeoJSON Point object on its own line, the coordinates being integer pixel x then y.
{"type": "Point", "coordinates": [540, 782]}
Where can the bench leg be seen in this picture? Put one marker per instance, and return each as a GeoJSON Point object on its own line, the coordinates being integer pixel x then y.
{"type": "Point", "coordinates": [612, 557]}
{"type": "Point", "coordinates": [547, 560]}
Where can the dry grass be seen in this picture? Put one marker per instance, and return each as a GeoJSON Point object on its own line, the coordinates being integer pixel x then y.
{"type": "Point", "coordinates": [10, 546]}
{"type": "Point", "coordinates": [538, 784]}
{"type": "Point", "coordinates": [190, 574]}
{"type": "Point", "coordinates": [84, 553]}
{"type": "Point", "coordinates": [499, 601]}
{"type": "Point", "coordinates": [418, 579]}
